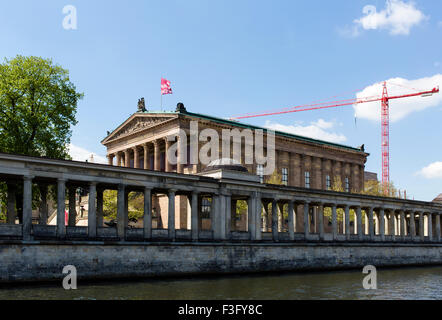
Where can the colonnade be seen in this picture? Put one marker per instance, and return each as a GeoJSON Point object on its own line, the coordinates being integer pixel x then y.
{"type": "Point", "coordinates": [151, 155]}
{"type": "Point", "coordinates": [312, 215]}
{"type": "Point", "coordinates": [370, 222]}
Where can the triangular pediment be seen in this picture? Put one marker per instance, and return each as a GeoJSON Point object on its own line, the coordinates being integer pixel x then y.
{"type": "Point", "coordinates": [138, 123]}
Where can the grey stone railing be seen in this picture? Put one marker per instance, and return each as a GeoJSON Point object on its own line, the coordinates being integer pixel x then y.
{"type": "Point", "coordinates": [376, 219]}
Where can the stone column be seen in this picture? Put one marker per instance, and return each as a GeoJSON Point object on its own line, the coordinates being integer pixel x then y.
{"type": "Point", "coordinates": [27, 208]}
{"type": "Point", "coordinates": [168, 165]}
{"type": "Point", "coordinates": [347, 222]}
{"type": "Point", "coordinates": [72, 207]}
{"type": "Point", "coordinates": [92, 211]}
{"type": "Point", "coordinates": [194, 214]}
{"type": "Point", "coordinates": [171, 215]}
{"type": "Point", "coordinates": [127, 158]}
{"type": "Point", "coordinates": [359, 223]}
{"type": "Point", "coordinates": [291, 220]}
{"type": "Point", "coordinates": [421, 226]}
{"type": "Point", "coordinates": [61, 208]}
{"type": "Point", "coordinates": [438, 235]}
{"type": "Point", "coordinates": [216, 217]}
{"type": "Point", "coordinates": [147, 217]}
{"type": "Point", "coordinates": [334, 222]}
{"type": "Point", "coordinates": [370, 224]}
{"type": "Point", "coordinates": [258, 211]}
{"type": "Point", "coordinates": [12, 213]}
{"type": "Point", "coordinates": [43, 204]}
{"type": "Point", "coordinates": [157, 156]}
{"type": "Point", "coordinates": [251, 216]}
{"type": "Point", "coordinates": [146, 156]}
{"type": "Point", "coordinates": [229, 205]}
{"type": "Point", "coordinates": [275, 233]}
{"type": "Point", "coordinates": [119, 164]}
{"type": "Point", "coordinates": [221, 207]}
{"type": "Point", "coordinates": [180, 155]}
{"type": "Point", "coordinates": [402, 215]}
{"type": "Point", "coordinates": [121, 212]}
{"type": "Point", "coordinates": [136, 158]}
{"type": "Point", "coordinates": [382, 223]}
{"type": "Point", "coordinates": [110, 159]}
{"type": "Point", "coordinates": [412, 226]}
{"type": "Point", "coordinates": [100, 208]}
{"type": "Point", "coordinates": [430, 226]}
{"type": "Point", "coordinates": [321, 221]}
{"type": "Point", "coordinates": [306, 220]}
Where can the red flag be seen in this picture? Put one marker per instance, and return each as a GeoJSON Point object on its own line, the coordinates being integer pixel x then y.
{"type": "Point", "coordinates": [165, 87]}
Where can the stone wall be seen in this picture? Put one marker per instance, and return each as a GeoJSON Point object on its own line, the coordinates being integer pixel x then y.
{"type": "Point", "coordinates": [21, 262]}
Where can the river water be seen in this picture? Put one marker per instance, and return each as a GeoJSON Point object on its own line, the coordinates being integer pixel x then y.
{"type": "Point", "coordinates": [404, 283]}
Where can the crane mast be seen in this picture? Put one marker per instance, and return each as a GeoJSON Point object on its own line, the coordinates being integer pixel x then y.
{"type": "Point", "coordinates": [385, 120]}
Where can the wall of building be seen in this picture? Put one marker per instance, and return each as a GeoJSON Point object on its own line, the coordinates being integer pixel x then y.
{"type": "Point", "coordinates": [45, 262]}
{"type": "Point", "coordinates": [296, 155]}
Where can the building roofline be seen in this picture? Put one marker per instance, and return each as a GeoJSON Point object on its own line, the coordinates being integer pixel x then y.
{"type": "Point", "coordinates": [246, 126]}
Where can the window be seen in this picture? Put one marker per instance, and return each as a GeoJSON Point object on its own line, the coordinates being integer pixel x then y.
{"type": "Point", "coordinates": [307, 179]}
{"type": "Point", "coordinates": [285, 176]}
{"type": "Point", "coordinates": [260, 172]}
{"type": "Point", "coordinates": [206, 204]}
{"type": "Point", "coordinates": [347, 184]}
{"type": "Point", "coordinates": [327, 182]}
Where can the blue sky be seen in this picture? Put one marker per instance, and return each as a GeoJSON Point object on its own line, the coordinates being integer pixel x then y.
{"type": "Point", "coordinates": [228, 57]}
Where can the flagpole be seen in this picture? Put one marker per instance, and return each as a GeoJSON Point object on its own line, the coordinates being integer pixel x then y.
{"type": "Point", "coordinates": [161, 95]}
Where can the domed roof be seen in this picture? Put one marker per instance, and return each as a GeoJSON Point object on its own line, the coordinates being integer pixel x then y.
{"type": "Point", "coordinates": [227, 164]}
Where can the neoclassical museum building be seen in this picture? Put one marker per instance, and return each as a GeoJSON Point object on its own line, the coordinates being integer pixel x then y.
{"type": "Point", "coordinates": [141, 142]}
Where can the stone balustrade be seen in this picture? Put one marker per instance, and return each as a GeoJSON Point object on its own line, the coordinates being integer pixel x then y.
{"type": "Point", "coordinates": [351, 217]}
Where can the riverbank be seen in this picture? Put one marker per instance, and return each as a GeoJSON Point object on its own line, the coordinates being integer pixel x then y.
{"type": "Point", "coordinates": [27, 262]}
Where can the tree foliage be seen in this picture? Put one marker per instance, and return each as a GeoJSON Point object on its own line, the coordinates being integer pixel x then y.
{"type": "Point", "coordinates": [38, 104]}
{"type": "Point", "coordinates": [135, 207]}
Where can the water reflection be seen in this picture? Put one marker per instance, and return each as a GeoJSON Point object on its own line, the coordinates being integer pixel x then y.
{"type": "Point", "coordinates": [408, 283]}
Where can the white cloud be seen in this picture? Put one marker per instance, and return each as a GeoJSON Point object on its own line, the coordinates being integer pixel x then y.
{"type": "Point", "coordinates": [80, 154]}
{"type": "Point", "coordinates": [316, 130]}
{"type": "Point", "coordinates": [398, 17]}
{"type": "Point", "coordinates": [432, 171]}
{"type": "Point", "coordinates": [399, 108]}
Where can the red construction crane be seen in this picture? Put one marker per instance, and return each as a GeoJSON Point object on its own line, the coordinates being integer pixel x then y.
{"type": "Point", "coordinates": [385, 118]}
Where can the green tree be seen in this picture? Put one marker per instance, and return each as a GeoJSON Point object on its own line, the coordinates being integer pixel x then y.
{"type": "Point", "coordinates": [376, 188]}
{"type": "Point", "coordinates": [135, 206]}
{"type": "Point", "coordinates": [38, 104]}
{"type": "Point", "coordinates": [274, 178]}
